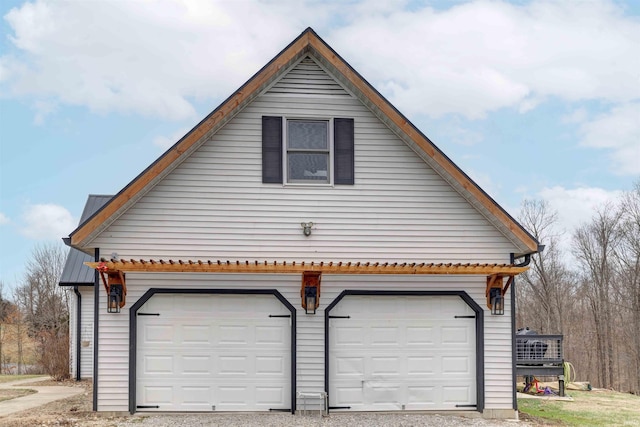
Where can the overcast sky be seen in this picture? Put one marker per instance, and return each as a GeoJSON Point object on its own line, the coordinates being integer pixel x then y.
{"type": "Point", "coordinates": [533, 99]}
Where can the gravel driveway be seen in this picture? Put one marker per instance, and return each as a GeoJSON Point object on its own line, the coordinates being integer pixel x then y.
{"type": "Point", "coordinates": [335, 420]}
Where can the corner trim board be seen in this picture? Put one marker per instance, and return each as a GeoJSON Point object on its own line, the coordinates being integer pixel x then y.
{"type": "Point", "coordinates": [133, 330]}
{"type": "Point", "coordinates": [96, 316]}
{"type": "Point", "coordinates": [514, 373]}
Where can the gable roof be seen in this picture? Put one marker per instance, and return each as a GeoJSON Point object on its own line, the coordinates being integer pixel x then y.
{"type": "Point", "coordinates": [308, 43]}
{"type": "Point", "coordinates": [75, 272]}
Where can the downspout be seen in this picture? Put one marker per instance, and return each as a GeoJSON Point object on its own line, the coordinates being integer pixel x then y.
{"type": "Point", "coordinates": [524, 263]}
{"type": "Point", "coordinates": [527, 259]}
{"type": "Point", "coordinates": [78, 330]}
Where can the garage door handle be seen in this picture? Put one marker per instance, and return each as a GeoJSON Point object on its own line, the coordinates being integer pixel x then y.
{"type": "Point", "coordinates": [279, 315]}
{"type": "Point", "coordinates": [148, 314]}
{"type": "Point", "coordinates": [464, 317]}
{"type": "Point", "coordinates": [339, 317]}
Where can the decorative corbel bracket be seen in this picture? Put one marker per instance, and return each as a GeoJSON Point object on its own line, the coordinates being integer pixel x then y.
{"type": "Point", "coordinates": [495, 291]}
{"type": "Point", "coordinates": [112, 279]}
{"type": "Point", "coordinates": [310, 291]}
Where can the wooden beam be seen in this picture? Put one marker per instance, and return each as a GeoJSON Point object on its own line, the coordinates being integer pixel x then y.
{"type": "Point", "coordinates": [170, 266]}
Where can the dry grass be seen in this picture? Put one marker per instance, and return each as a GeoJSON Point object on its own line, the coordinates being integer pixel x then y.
{"type": "Point", "coordinates": [9, 378]}
{"type": "Point", "coordinates": [9, 393]}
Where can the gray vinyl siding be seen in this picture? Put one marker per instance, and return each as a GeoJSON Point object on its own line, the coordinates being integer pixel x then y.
{"type": "Point", "coordinates": [113, 369]}
{"type": "Point", "coordinates": [214, 206]}
{"type": "Point", "coordinates": [86, 332]}
{"type": "Point", "coordinates": [307, 78]}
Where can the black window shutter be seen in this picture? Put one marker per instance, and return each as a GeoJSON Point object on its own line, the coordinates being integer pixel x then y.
{"type": "Point", "coordinates": [272, 150]}
{"type": "Point", "coordinates": [343, 159]}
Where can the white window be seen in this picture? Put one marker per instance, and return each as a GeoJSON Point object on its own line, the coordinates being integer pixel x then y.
{"type": "Point", "coordinates": [308, 151]}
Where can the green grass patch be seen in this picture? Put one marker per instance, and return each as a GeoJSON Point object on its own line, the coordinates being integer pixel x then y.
{"type": "Point", "coordinates": [589, 408]}
{"type": "Point", "coordinates": [9, 378]}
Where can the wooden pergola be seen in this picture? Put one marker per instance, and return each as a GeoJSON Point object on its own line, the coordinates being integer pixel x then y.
{"type": "Point", "coordinates": [218, 266]}
{"type": "Point", "coordinates": [495, 273]}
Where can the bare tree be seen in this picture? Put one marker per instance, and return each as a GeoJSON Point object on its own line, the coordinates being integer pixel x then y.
{"type": "Point", "coordinates": [546, 288]}
{"type": "Point", "coordinates": [594, 246]}
{"type": "Point", "coordinates": [42, 301]}
{"type": "Point", "coordinates": [44, 305]}
{"type": "Point", "coordinates": [627, 284]}
{"type": "Point", "coordinates": [593, 299]}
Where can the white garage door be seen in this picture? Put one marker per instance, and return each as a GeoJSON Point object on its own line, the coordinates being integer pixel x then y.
{"type": "Point", "coordinates": [402, 352]}
{"type": "Point", "coordinates": [213, 353]}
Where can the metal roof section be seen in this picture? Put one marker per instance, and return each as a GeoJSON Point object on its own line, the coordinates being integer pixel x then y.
{"type": "Point", "coordinates": [75, 272]}
{"type": "Point", "coordinates": [308, 43]}
{"type": "Point", "coordinates": [94, 203]}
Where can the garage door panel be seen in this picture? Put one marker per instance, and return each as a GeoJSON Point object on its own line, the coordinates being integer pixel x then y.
{"type": "Point", "coordinates": [419, 397]}
{"type": "Point", "coordinates": [384, 335]}
{"type": "Point", "coordinates": [349, 366]}
{"type": "Point", "coordinates": [417, 335]}
{"type": "Point", "coordinates": [455, 334]}
{"type": "Point", "coordinates": [157, 365]}
{"type": "Point", "coordinates": [197, 361]}
{"type": "Point", "coordinates": [348, 335]}
{"type": "Point", "coordinates": [456, 395]}
{"type": "Point", "coordinates": [197, 397]}
{"type": "Point", "coordinates": [385, 366]}
{"type": "Point", "coordinates": [420, 365]}
{"type": "Point", "coordinates": [157, 395]}
{"type": "Point", "coordinates": [233, 335]}
{"type": "Point", "coordinates": [270, 335]}
{"type": "Point", "coordinates": [452, 365]}
{"type": "Point", "coordinates": [196, 334]}
{"type": "Point", "coordinates": [383, 396]}
{"type": "Point", "coordinates": [200, 365]}
{"type": "Point", "coordinates": [265, 365]}
{"type": "Point", "coordinates": [271, 396]}
{"type": "Point", "coordinates": [419, 359]}
{"type": "Point", "coordinates": [158, 333]}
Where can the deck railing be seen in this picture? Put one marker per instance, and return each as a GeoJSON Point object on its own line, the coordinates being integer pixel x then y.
{"type": "Point", "coordinates": [539, 350]}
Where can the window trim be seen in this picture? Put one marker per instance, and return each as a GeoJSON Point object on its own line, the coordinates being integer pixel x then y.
{"type": "Point", "coordinates": [341, 159]}
{"type": "Point", "coordinates": [285, 152]}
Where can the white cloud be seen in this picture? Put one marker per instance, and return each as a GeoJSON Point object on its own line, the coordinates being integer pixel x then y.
{"type": "Point", "coordinates": [164, 142]}
{"type": "Point", "coordinates": [457, 133]}
{"type": "Point", "coordinates": [155, 57]}
{"type": "Point", "coordinates": [578, 115]}
{"type": "Point", "coordinates": [619, 131]}
{"type": "Point", "coordinates": [47, 221]}
{"type": "Point", "coordinates": [481, 56]}
{"type": "Point", "coordinates": [4, 219]}
{"type": "Point", "coordinates": [151, 58]}
{"type": "Point", "coordinates": [578, 205]}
